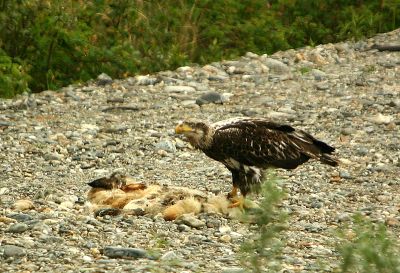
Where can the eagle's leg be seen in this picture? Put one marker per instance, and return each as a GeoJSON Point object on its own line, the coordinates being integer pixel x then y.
{"type": "Point", "coordinates": [244, 179]}
{"type": "Point", "coordinates": [233, 193]}
{"type": "Point", "coordinates": [235, 178]}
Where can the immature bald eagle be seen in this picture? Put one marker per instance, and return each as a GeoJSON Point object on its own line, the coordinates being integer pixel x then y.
{"type": "Point", "coordinates": [247, 146]}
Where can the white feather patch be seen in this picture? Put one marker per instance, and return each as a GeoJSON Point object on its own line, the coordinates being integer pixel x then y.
{"type": "Point", "coordinates": [232, 163]}
{"type": "Point", "coordinates": [226, 122]}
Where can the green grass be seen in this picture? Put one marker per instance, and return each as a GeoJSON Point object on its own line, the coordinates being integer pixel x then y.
{"type": "Point", "coordinates": [50, 44]}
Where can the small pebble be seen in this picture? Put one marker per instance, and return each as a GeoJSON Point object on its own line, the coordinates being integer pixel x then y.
{"type": "Point", "coordinates": [18, 228]}
{"type": "Point", "coordinates": [23, 204]}
{"type": "Point", "coordinates": [12, 251]}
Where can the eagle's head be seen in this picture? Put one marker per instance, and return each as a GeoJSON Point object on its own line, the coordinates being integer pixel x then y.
{"type": "Point", "coordinates": [199, 133]}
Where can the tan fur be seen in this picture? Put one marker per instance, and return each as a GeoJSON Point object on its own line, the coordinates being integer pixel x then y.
{"type": "Point", "coordinates": [173, 212]}
{"type": "Point", "coordinates": [190, 205]}
{"type": "Point", "coordinates": [170, 202]}
{"type": "Point", "coordinates": [217, 204]}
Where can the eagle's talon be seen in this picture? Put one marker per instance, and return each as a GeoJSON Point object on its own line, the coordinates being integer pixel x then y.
{"type": "Point", "coordinates": [230, 196]}
{"type": "Point", "coordinates": [233, 193]}
{"type": "Point", "coordinates": [238, 202]}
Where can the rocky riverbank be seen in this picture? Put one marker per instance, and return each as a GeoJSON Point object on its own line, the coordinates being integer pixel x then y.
{"type": "Point", "coordinates": [53, 143]}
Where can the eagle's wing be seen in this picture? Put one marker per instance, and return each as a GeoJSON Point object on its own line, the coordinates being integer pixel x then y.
{"type": "Point", "coordinates": [261, 143]}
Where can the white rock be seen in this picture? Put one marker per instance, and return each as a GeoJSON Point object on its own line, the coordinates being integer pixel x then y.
{"type": "Point", "coordinates": [86, 258]}
{"type": "Point", "coordinates": [251, 55]}
{"type": "Point", "coordinates": [236, 235]}
{"type": "Point", "coordinates": [23, 204]}
{"type": "Point", "coordinates": [86, 127]}
{"type": "Point", "coordinates": [381, 119]}
{"type": "Point", "coordinates": [66, 205]}
{"type": "Point", "coordinates": [184, 69]}
{"type": "Point", "coordinates": [169, 256]}
{"type": "Point", "coordinates": [278, 115]}
{"type": "Point", "coordinates": [225, 229]}
{"type": "Point", "coordinates": [4, 190]}
{"type": "Point", "coordinates": [225, 238]}
{"type": "Point", "coordinates": [179, 89]}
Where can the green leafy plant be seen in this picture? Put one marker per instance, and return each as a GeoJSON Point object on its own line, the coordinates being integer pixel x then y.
{"type": "Point", "coordinates": [14, 78]}
{"type": "Point", "coordinates": [261, 252]}
{"type": "Point", "coordinates": [59, 42]}
{"type": "Point", "coordinates": [368, 247]}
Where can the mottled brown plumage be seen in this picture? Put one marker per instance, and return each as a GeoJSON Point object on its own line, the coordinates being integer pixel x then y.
{"type": "Point", "coordinates": [247, 146]}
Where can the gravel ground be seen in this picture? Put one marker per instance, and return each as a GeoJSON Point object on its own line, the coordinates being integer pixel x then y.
{"type": "Point", "coordinates": [53, 143]}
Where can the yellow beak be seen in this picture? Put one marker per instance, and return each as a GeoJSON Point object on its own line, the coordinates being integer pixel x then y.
{"type": "Point", "coordinates": [182, 128]}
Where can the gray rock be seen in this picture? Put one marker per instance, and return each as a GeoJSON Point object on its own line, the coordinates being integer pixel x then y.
{"type": "Point", "coordinates": [361, 151]}
{"type": "Point", "coordinates": [276, 66]}
{"type": "Point", "coordinates": [190, 221]}
{"type": "Point", "coordinates": [12, 251]}
{"type": "Point", "coordinates": [318, 74]}
{"type": "Point", "coordinates": [345, 175]}
{"type": "Point", "coordinates": [52, 156]}
{"type": "Point", "coordinates": [166, 145]}
{"type": "Point", "coordinates": [218, 78]}
{"type": "Point", "coordinates": [347, 131]}
{"type": "Point", "coordinates": [5, 123]}
{"type": "Point", "coordinates": [314, 227]}
{"type": "Point", "coordinates": [394, 103]}
{"type": "Point", "coordinates": [18, 228]}
{"type": "Point", "coordinates": [104, 79]}
{"type": "Point", "coordinates": [71, 94]}
{"type": "Point", "coordinates": [213, 223]}
{"type": "Point", "coordinates": [114, 129]}
{"type": "Point", "coordinates": [125, 253]}
{"type": "Point", "coordinates": [169, 256]}
{"type": "Point", "coordinates": [183, 227]}
{"type": "Point", "coordinates": [146, 80]}
{"type": "Point", "coordinates": [211, 97]}
{"type": "Point", "coordinates": [322, 86]}
{"type": "Point", "coordinates": [343, 217]}
{"type": "Point", "coordinates": [20, 217]}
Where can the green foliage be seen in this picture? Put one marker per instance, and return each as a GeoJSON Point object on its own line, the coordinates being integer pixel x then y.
{"type": "Point", "coordinates": [304, 70]}
{"type": "Point", "coordinates": [261, 252]}
{"type": "Point", "coordinates": [326, 21]}
{"type": "Point", "coordinates": [13, 78]}
{"type": "Point", "coordinates": [58, 42]}
{"type": "Point", "coordinates": [369, 248]}
{"type": "Point", "coordinates": [364, 246]}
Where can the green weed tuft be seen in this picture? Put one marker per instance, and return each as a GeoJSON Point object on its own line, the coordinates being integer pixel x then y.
{"type": "Point", "coordinates": [262, 251]}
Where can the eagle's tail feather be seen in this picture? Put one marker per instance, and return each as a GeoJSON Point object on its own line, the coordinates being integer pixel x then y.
{"type": "Point", "coordinates": [329, 159]}
{"type": "Point", "coordinates": [325, 148]}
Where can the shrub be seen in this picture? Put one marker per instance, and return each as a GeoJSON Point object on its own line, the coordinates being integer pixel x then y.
{"type": "Point", "coordinates": [14, 79]}
{"type": "Point", "coordinates": [368, 247]}
{"type": "Point", "coordinates": [262, 251]}
{"type": "Point", "coordinates": [60, 42]}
